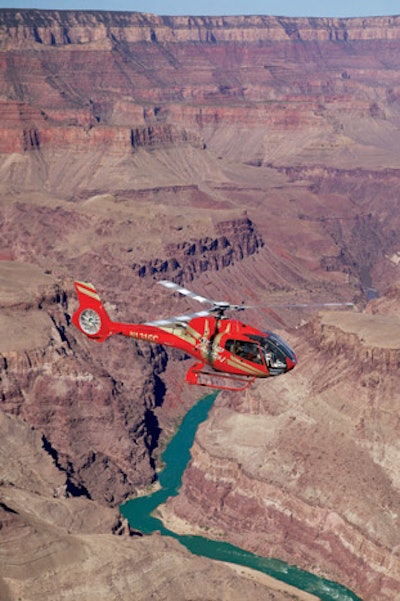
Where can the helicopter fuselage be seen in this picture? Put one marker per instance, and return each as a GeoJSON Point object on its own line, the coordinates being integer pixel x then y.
{"type": "Point", "coordinates": [225, 345]}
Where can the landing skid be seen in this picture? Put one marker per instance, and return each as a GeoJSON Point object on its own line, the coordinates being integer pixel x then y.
{"type": "Point", "coordinates": [196, 374]}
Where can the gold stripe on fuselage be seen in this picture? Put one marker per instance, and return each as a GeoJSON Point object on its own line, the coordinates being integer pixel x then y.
{"type": "Point", "coordinates": [182, 333]}
{"type": "Point", "coordinates": [204, 345]}
{"type": "Point", "coordinates": [249, 369]}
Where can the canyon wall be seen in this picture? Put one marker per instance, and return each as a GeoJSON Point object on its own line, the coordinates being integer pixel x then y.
{"type": "Point", "coordinates": [54, 28]}
{"type": "Point", "coordinates": [55, 546]}
{"type": "Point", "coordinates": [231, 84]}
{"type": "Point", "coordinates": [254, 159]}
{"type": "Point", "coordinates": [78, 406]}
{"type": "Point", "coordinates": [309, 462]}
{"type": "Point", "coordinates": [89, 401]}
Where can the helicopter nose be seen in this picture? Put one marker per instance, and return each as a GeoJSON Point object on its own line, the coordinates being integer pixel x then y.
{"type": "Point", "coordinates": [291, 362]}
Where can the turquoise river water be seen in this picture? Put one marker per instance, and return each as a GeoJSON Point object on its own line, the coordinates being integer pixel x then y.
{"type": "Point", "coordinates": [176, 456]}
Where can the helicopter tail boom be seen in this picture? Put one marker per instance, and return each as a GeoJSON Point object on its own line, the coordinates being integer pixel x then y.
{"type": "Point", "coordinates": [91, 317]}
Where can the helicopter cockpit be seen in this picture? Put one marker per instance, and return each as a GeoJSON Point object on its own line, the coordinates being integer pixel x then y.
{"type": "Point", "coordinates": [251, 351]}
{"type": "Point", "coordinates": [270, 350]}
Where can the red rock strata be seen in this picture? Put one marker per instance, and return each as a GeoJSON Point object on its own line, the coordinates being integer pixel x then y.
{"type": "Point", "coordinates": [127, 79]}
{"type": "Point", "coordinates": [53, 546]}
{"type": "Point", "coordinates": [79, 407]}
{"type": "Point", "coordinates": [306, 469]}
{"type": "Point", "coordinates": [253, 158]}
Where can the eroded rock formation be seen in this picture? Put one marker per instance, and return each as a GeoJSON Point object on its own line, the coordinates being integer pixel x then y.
{"type": "Point", "coordinates": [256, 159]}
{"type": "Point", "coordinates": [145, 90]}
{"type": "Point", "coordinates": [78, 406]}
{"type": "Point", "coordinates": [310, 463]}
{"type": "Point", "coordinates": [52, 545]}
{"type": "Point", "coordinates": [237, 240]}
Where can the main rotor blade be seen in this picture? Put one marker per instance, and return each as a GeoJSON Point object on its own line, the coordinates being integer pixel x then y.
{"type": "Point", "coordinates": [177, 319]}
{"type": "Point", "coordinates": [305, 305]}
{"type": "Point", "coordinates": [222, 306]}
{"type": "Point", "coordinates": [185, 291]}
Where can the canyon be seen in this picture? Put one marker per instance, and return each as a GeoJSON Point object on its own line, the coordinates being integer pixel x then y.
{"type": "Point", "coordinates": [251, 159]}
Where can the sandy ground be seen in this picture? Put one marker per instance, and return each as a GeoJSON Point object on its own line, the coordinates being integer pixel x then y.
{"type": "Point", "coordinates": [378, 331]}
{"type": "Point", "coordinates": [272, 583]}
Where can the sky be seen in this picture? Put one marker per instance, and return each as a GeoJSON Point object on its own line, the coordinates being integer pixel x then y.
{"type": "Point", "coordinates": [290, 8]}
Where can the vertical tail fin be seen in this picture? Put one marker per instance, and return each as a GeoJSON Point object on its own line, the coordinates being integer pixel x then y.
{"type": "Point", "coordinates": [91, 318]}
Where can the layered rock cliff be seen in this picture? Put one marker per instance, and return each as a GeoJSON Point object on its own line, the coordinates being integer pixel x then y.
{"type": "Point", "coordinates": [305, 467]}
{"type": "Point", "coordinates": [94, 103]}
{"type": "Point", "coordinates": [54, 28]}
{"type": "Point", "coordinates": [254, 159]}
{"type": "Point", "coordinates": [237, 240]}
{"type": "Point", "coordinates": [96, 406]}
{"type": "Point", "coordinates": [53, 546]}
{"type": "Point", "coordinates": [128, 79]}
{"type": "Point", "coordinates": [85, 414]}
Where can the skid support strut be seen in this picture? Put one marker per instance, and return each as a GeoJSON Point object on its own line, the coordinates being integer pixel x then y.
{"type": "Point", "coordinates": [197, 374]}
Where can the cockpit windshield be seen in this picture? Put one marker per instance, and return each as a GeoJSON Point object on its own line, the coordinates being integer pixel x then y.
{"type": "Point", "coordinates": [275, 352]}
{"type": "Point", "coordinates": [269, 350]}
{"type": "Point", "coordinates": [280, 344]}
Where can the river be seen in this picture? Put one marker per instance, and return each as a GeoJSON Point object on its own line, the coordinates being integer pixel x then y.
{"type": "Point", "coordinates": [176, 456]}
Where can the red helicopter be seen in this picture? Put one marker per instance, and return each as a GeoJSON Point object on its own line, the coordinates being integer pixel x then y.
{"type": "Point", "coordinates": [230, 354]}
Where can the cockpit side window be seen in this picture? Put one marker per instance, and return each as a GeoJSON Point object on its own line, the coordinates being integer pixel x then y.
{"type": "Point", "coordinates": [247, 350]}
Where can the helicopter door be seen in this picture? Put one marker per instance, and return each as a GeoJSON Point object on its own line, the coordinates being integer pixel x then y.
{"type": "Point", "coordinates": [250, 351]}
